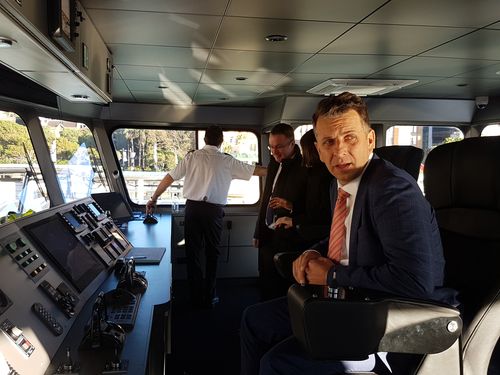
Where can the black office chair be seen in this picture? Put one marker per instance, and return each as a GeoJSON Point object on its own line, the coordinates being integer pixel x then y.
{"type": "Point", "coordinates": [462, 182]}
{"type": "Point", "coordinates": [407, 158]}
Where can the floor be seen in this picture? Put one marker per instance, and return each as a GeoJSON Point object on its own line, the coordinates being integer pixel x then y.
{"type": "Point", "coordinates": [207, 341]}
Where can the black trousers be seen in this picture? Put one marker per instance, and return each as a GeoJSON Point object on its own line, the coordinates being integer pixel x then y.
{"type": "Point", "coordinates": [202, 233]}
{"type": "Point", "coordinates": [271, 283]}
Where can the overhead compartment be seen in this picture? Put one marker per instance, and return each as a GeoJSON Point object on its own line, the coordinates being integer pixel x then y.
{"type": "Point", "coordinates": [76, 66]}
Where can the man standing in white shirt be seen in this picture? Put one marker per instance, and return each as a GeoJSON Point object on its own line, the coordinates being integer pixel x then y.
{"type": "Point", "coordinates": [207, 174]}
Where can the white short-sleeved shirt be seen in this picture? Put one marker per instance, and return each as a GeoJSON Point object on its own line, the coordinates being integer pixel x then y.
{"type": "Point", "coordinates": [208, 173]}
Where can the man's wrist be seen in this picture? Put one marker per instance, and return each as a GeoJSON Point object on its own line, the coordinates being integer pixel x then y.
{"type": "Point", "coordinates": [331, 278]}
{"type": "Point", "coordinates": [153, 199]}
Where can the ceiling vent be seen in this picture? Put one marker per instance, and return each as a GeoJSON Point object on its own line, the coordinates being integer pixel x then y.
{"type": "Point", "coordinates": [361, 87]}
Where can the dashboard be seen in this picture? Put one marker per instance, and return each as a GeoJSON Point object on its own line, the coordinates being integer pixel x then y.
{"type": "Point", "coordinates": [63, 304]}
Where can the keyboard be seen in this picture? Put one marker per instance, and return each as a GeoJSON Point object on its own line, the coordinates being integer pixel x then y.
{"type": "Point", "coordinates": [122, 307]}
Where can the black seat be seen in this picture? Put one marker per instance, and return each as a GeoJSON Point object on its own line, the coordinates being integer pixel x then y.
{"type": "Point", "coordinates": [462, 182]}
{"type": "Point", "coordinates": [407, 158]}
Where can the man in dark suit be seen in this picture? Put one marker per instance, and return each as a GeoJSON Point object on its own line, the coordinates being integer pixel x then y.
{"type": "Point", "coordinates": [284, 195]}
{"type": "Point", "coordinates": [384, 236]}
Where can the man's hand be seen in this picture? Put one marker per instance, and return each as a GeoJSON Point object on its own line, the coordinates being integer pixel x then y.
{"type": "Point", "coordinates": [150, 207]}
{"type": "Point", "coordinates": [277, 202]}
{"type": "Point", "coordinates": [285, 222]}
{"type": "Point", "coordinates": [317, 270]}
{"type": "Point", "coordinates": [255, 242]}
{"type": "Point", "coordinates": [300, 264]}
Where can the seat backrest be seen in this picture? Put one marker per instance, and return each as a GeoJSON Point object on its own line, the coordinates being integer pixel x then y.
{"type": "Point", "coordinates": [462, 183]}
{"type": "Point", "coordinates": [404, 157]}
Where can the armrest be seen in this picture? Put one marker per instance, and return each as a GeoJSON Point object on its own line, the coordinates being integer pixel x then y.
{"type": "Point", "coordinates": [353, 329]}
{"type": "Point", "coordinates": [283, 263]}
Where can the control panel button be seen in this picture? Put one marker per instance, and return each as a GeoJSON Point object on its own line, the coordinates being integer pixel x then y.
{"type": "Point", "coordinates": [11, 247]}
{"type": "Point", "coordinates": [21, 242]}
{"type": "Point", "coordinates": [50, 322]}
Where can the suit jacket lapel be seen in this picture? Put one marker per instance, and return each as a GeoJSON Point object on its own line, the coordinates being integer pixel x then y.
{"type": "Point", "coordinates": [359, 205]}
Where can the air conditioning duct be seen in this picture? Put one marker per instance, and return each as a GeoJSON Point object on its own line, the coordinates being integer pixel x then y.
{"type": "Point", "coordinates": [361, 87]}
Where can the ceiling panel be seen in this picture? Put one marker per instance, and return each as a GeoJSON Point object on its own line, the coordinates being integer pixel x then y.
{"type": "Point", "coordinates": [435, 66]}
{"type": "Point", "coordinates": [495, 26]}
{"type": "Point", "coordinates": [348, 64]}
{"type": "Point", "coordinates": [250, 101]}
{"type": "Point", "coordinates": [303, 37]}
{"type": "Point", "coordinates": [159, 29]}
{"type": "Point", "coordinates": [175, 57]}
{"type": "Point", "coordinates": [393, 39]}
{"type": "Point", "coordinates": [257, 77]}
{"type": "Point", "coordinates": [482, 44]}
{"type": "Point", "coordinates": [460, 13]}
{"type": "Point", "coordinates": [157, 73]}
{"type": "Point", "coordinates": [167, 97]}
{"type": "Point", "coordinates": [121, 92]}
{"type": "Point", "coordinates": [322, 10]}
{"type": "Point", "coordinates": [490, 72]}
{"type": "Point", "coordinates": [255, 60]}
{"type": "Point", "coordinates": [453, 88]}
{"type": "Point", "coordinates": [232, 91]}
{"type": "Point", "coordinates": [149, 86]}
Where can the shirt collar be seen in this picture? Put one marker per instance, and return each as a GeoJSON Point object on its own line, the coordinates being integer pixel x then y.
{"type": "Point", "coordinates": [210, 147]}
{"type": "Point", "coordinates": [352, 186]}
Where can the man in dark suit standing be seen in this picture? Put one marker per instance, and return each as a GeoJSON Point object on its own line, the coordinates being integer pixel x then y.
{"type": "Point", "coordinates": [284, 195]}
{"type": "Point", "coordinates": [384, 236]}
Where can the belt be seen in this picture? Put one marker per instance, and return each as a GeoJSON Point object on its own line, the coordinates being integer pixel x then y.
{"type": "Point", "coordinates": [205, 202]}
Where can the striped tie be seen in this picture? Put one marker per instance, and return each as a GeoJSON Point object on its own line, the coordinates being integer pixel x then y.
{"type": "Point", "coordinates": [337, 230]}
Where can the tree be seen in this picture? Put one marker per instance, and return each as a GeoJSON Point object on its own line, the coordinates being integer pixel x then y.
{"type": "Point", "coordinates": [11, 143]}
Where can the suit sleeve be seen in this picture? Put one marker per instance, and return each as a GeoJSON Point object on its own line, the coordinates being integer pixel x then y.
{"type": "Point", "coordinates": [399, 249]}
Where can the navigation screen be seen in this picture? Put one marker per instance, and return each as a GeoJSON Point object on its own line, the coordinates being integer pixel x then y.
{"type": "Point", "coordinates": [94, 209]}
{"type": "Point", "coordinates": [72, 219]}
{"type": "Point", "coordinates": [53, 236]}
{"type": "Point", "coordinates": [115, 204]}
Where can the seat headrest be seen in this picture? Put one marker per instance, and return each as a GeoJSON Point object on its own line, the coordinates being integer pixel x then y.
{"type": "Point", "coordinates": [407, 158]}
{"type": "Point", "coordinates": [462, 179]}
{"type": "Point", "coordinates": [464, 174]}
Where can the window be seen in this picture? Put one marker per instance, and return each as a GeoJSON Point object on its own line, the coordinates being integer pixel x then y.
{"type": "Point", "coordinates": [76, 159]}
{"type": "Point", "coordinates": [300, 131]}
{"type": "Point", "coordinates": [146, 155]}
{"type": "Point", "coordinates": [491, 130]}
{"type": "Point", "coordinates": [21, 184]}
{"type": "Point", "coordinates": [424, 137]}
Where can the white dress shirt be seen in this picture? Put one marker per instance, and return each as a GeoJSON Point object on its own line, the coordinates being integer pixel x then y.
{"type": "Point", "coordinates": [352, 188]}
{"type": "Point", "coordinates": [208, 173]}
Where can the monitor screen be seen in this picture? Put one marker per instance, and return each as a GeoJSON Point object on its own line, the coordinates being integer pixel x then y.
{"type": "Point", "coordinates": [55, 239]}
{"type": "Point", "coordinates": [72, 219]}
{"type": "Point", "coordinates": [94, 209]}
{"type": "Point", "coordinates": [115, 204]}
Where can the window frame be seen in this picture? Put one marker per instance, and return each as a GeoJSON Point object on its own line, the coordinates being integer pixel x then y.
{"type": "Point", "coordinates": [195, 129]}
